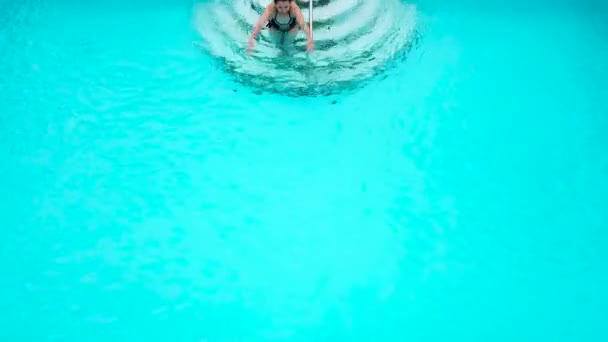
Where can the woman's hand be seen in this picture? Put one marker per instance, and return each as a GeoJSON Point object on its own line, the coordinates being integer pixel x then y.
{"type": "Point", "coordinates": [310, 45]}
{"type": "Point", "coordinates": [250, 45]}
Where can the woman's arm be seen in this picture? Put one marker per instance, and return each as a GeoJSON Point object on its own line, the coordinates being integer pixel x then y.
{"type": "Point", "coordinates": [258, 26]}
{"type": "Point", "coordinates": [300, 20]}
{"type": "Point", "coordinates": [263, 19]}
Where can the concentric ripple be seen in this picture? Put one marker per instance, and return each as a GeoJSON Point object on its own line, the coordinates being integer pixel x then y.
{"type": "Point", "coordinates": [354, 41]}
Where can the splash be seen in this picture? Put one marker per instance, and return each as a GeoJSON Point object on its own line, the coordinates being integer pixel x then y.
{"type": "Point", "coordinates": [355, 40]}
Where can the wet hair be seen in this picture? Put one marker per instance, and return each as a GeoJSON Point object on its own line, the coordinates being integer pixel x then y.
{"type": "Point", "coordinates": [275, 1]}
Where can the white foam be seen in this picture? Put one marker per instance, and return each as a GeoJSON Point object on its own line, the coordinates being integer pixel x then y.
{"type": "Point", "coordinates": [359, 20]}
{"type": "Point", "coordinates": [334, 9]}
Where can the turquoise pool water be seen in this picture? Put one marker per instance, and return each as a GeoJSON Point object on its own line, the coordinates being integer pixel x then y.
{"type": "Point", "coordinates": [456, 193]}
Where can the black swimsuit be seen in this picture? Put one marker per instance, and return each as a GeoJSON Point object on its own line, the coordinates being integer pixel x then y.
{"type": "Point", "coordinates": [283, 27]}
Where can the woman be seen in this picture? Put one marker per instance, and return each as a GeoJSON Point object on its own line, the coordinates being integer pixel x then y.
{"type": "Point", "coordinates": [284, 19]}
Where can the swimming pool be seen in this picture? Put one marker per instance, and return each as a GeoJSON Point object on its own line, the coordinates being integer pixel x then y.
{"type": "Point", "coordinates": [149, 194]}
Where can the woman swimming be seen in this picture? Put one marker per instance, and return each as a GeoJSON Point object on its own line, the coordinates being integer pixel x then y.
{"type": "Point", "coordinates": [284, 19]}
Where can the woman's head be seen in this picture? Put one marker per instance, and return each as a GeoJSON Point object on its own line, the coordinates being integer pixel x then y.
{"type": "Point", "coordinates": [282, 6]}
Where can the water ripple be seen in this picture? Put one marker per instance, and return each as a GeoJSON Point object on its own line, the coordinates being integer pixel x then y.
{"type": "Point", "coordinates": [355, 40]}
